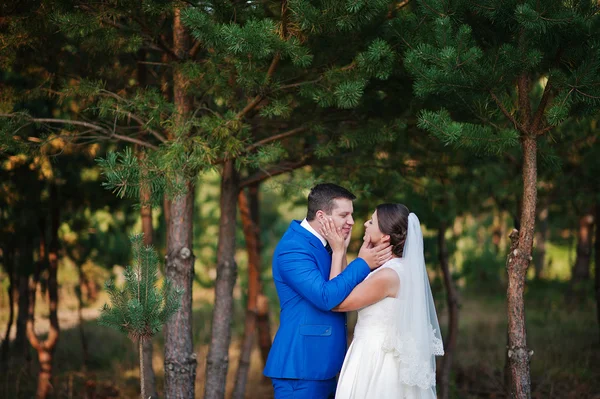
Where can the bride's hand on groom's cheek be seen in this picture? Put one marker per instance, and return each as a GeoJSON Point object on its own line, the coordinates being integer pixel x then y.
{"type": "Point", "coordinates": [332, 234]}
{"type": "Point", "coordinates": [375, 256]}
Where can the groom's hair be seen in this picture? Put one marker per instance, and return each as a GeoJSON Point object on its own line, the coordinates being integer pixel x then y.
{"type": "Point", "coordinates": [322, 196]}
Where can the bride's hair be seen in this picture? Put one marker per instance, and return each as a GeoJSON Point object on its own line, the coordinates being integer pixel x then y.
{"type": "Point", "coordinates": [393, 220]}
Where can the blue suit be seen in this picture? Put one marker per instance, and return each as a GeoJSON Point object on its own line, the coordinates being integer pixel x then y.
{"type": "Point", "coordinates": [311, 341]}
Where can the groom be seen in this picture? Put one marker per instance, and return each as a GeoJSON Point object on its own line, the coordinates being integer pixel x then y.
{"type": "Point", "coordinates": [309, 347]}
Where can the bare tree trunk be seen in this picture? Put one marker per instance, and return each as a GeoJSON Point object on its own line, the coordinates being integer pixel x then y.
{"type": "Point", "coordinates": [581, 269]}
{"type": "Point", "coordinates": [149, 380]}
{"type": "Point", "coordinates": [218, 355]}
{"type": "Point", "coordinates": [143, 392]}
{"type": "Point", "coordinates": [9, 266]}
{"type": "Point", "coordinates": [84, 346]}
{"type": "Point", "coordinates": [23, 305]}
{"type": "Point", "coordinates": [45, 349]}
{"type": "Point", "coordinates": [262, 302]}
{"type": "Point", "coordinates": [540, 242]}
{"type": "Point", "coordinates": [254, 287]}
{"type": "Point", "coordinates": [452, 300]}
{"type": "Point", "coordinates": [597, 261]}
{"type": "Point", "coordinates": [517, 264]}
{"type": "Point", "coordinates": [180, 359]}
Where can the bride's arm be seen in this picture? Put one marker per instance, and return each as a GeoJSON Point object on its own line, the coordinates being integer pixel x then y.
{"type": "Point", "coordinates": [385, 283]}
{"type": "Point", "coordinates": [338, 245]}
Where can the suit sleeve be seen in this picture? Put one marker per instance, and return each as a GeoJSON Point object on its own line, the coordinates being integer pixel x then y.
{"type": "Point", "coordinates": [299, 270]}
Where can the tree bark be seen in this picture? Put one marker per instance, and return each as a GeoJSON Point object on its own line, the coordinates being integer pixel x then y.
{"type": "Point", "coordinates": [597, 262]}
{"type": "Point", "coordinates": [45, 349]}
{"type": "Point", "coordinates": [452, 300]}
{"type": "Point", "coordinates": [218, 355]}
{"type": "Point", "coordinates": [254, 287]}
{"type": "Point", "coordinates": [146, 369]}
{"type": "Point", "coordinates": [143, 391]}
{"type": "Point", "coordinates": [581, 269]}
{"type": "Point", "coordinates": [23, 304]}
{"type": "Point", "coordinates": [517, 263]}
{"type": "Point", "coordinates": [84, 346]}
{"type": "Point", "coordinates": [540, 242]}
{"type": "Point", "coordinates": [180, 359]}
{"type": "Point", "coordinates": [9, 266]}
{"type": "Point", "coordinates": [262, 303]}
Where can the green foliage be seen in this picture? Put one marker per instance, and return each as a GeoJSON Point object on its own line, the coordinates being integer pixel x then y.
{"type": "Point", "coordinates": [475, 137]}
{"type": "Point", "coordinates": [139, 308]}
{"type": "Point", "coordinates": [471, 64]}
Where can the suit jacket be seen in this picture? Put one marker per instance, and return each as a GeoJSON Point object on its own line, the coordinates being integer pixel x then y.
{"type": "Point", "coordinates": [311, 341]}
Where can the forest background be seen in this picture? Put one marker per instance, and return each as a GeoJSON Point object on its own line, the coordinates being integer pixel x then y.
{"type": "Point", "coordinates": [204, 124]}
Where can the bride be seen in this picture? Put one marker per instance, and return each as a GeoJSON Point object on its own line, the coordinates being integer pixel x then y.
{"type": "Point", "coordinates": [397, 335]}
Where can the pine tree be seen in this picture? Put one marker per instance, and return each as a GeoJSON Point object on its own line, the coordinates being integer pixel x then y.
{"type": "Point", "coordinates": [139, 309]}
{"type": "Point", "coordinates": [252, 90]}
{"type": "Point", "coordinates": [508, 74]}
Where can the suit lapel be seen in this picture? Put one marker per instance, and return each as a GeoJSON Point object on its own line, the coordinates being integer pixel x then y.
{"type": "Point", "coordinates": [323, 258]}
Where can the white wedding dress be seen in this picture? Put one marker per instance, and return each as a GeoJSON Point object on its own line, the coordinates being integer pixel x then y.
{"type": "Point", "coordinates": [373, 367]}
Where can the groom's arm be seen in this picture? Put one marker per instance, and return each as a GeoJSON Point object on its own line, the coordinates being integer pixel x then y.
{"type": "Point", "coordinates": [299, 270]}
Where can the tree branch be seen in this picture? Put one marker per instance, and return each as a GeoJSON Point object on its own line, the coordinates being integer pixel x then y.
{"type": "Point", "coordinates": [252, 104]}
{"type": "Point", "coordinates": [510, 117]}
{"type": "Point", "coordinates": [275, 138]}
{"type": "Point", "coordinates": [195, 48]}
{"type": "Point", "coordinates": [537, 118]}
{"type": "Point", "coordinates": [108, 133]}
{"type": "Point", "coordinates": [157, 39]}
{"type": "Point", "coordinates": [292, 85]}
{"type": "Point", "coordinates": [276, 170]}
{"type": "Point", "coordinates": [142, 124]}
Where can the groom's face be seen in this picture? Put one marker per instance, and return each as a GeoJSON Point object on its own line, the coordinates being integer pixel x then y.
{"type": "Point", "coordinates": [342, 215]}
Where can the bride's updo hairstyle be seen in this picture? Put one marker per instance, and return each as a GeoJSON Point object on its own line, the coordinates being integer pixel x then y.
{"type": "Point", "coordinates": [393, 220]}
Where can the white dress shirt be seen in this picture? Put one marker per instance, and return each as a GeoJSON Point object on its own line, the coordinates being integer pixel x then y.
{"type": "Point", "coordinates": [308, 227]}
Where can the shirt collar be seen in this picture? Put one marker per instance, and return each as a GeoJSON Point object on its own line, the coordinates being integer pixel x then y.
{"type": "Point", "coordinates": [308, 227]}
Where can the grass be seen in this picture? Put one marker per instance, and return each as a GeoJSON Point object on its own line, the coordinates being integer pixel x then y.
{"type": "Point", "coordinates": [563, 337]}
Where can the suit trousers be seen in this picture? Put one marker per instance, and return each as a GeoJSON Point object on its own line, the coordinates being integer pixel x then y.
{"type": "Point", "coordinates": [287, 388]}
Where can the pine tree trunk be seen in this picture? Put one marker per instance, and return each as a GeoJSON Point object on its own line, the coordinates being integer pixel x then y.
{"type": "Point", "coordinates": [218, 355]}
{"type": "Point", "coordinates": [8, 264]}
{"type": "Point", "coordinates": [264, 327]}
{"type": "Point", "coordinates": [45, 349]}
{"type": "Point", "coordinates": [262, 302]}
{"type": "Point", "coordinates": [581, 269]}
{"type": "Point", "coordinates": [84, 346]}
{"type": "Point", "coordinates": [149, 381]}
{"type": "Point", "coordinates": [23, 304]}
{"type": "Point", "coordinates": [143, 391]}
{"type": "Point", "coordinates": [180, 359]}
{"type": "Point", "coordinates": [597, 262]}
{"type": "Point", "coordinates": [517, 264]}
{"type": "Point", "coordinates": [254, 287]}
{"type": "Point", "coordinates": [540, 242]}
{"type": "Point", "coordinates": [452, 300]}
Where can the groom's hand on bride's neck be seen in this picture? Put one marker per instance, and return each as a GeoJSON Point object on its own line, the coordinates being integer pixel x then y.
{"type": "Point", "coordinates": [375, 256]}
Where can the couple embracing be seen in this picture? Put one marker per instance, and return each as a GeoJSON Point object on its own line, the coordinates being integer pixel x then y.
{"type": "Point", "coordinates": [397, 335]}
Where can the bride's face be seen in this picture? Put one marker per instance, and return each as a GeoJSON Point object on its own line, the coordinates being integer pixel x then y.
{"type": "Point", "coordinates": [372, 230]}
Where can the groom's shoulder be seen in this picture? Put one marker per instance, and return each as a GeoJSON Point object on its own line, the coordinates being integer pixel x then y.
{"type": "Point", "coordinates": [294, 238]}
